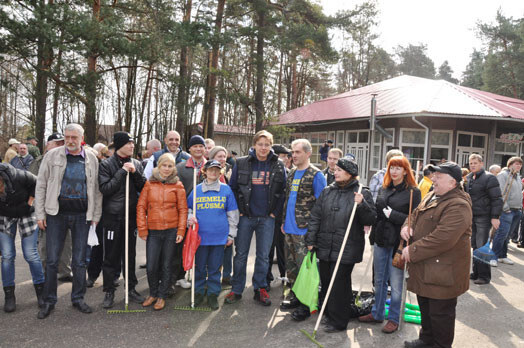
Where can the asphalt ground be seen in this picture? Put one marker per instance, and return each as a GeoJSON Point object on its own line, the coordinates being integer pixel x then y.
{"type": "Point", "coordinates": [487, 316]}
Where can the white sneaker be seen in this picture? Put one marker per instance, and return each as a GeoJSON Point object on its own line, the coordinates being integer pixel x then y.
{"type": "Point", "coordinates": [493, 263]}
{"type": "Point", "coordinates": [183, 283]}
{"type": "Point", "coordinates": [506, 261]}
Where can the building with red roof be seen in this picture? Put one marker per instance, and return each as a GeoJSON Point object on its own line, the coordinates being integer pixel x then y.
{"type": "Point", "coordinates": [429, 120]}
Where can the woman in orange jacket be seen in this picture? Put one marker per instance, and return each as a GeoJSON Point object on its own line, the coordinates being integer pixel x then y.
{"type": "Point", "coordinates": [161, 221]}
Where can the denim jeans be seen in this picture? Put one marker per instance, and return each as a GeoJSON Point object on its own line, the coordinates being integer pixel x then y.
{"type": "Point", "coordinates": [263, 228]}
{"type": "Point", "coordinates": [508, 221]}
{"type": "Point", "coordinates": [160, 247]}
{"type": "Point", "coordinates": [480, 234]}
{"type": "Point", "coordinates": [227, 264]}
{"type": "Point", "coordinates": [29, 248]}
{"type": "Point", "coordinates": [384, 271]}
{"type": "Point", "coordinates": [208, 260]}
{"type": "Point", "coordinates": [57, 226]}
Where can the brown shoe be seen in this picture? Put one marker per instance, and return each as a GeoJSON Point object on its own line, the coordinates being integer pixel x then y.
{"type": "Point", "coordinates": [160, 304]}
{"type": "Point", "coordinates": [149, 301]}
{"type": "Point", "coordinates": [368, 318]}
{"type": "Point", "coordinates": [390, 327]}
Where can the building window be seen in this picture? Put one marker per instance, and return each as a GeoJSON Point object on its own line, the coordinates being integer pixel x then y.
{"type": "Point", "coordinates": [469, 143]}
{"type": "Point", "coordinates": [412, 145]}
{"type": "Point", "coordinates": [377, 156]}
{"type": "Point", "coordinates": [440, 146]}
{"type": "Point", "coordinates": [317, 139]}
{"type": "Point", "coordinates": [504, 151]}
{"type": "Point", "coordinates": [340, 140]}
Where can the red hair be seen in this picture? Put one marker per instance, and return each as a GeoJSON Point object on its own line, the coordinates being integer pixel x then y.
{"type": "Point", "coordinates": [400, 161]}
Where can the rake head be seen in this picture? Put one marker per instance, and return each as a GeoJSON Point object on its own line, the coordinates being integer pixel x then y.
{"type": "Point", "coordinates": [189, 308]}
{"type": "Point", "coordinates": [312, 337]}
{"type": "Point", "coordinates": [126, 310]}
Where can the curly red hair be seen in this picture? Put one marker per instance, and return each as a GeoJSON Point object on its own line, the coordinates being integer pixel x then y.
{"type": "Point", "coordinates": [400, 161]}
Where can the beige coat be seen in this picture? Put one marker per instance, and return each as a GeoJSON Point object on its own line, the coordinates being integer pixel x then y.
{"type": "Point", "coordinates": [440, 252]}
{"type": "Point", "coordinates": [49, 183]}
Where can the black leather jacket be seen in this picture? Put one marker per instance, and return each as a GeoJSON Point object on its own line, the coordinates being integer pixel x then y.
{"type": "Point", "coordinates": [19, 186]}
{"type": "Point", "coordinates": [112, 180]}
{"type": "Point", "coordinates": [329, 220]}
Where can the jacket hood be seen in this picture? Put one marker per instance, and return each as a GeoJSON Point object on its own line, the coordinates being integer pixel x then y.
{"type": "Point", "coordinates": [155, 177]}
{"type": "Point", "coordinates": [253, 155]}
{"type": "Point", "coordinates": [8, 173]}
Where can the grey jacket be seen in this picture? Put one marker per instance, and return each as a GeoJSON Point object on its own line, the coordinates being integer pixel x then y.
{"type": "Point", "coordinates": [514, 200]}
{"type": "Point", "coordinates": [49, 183]}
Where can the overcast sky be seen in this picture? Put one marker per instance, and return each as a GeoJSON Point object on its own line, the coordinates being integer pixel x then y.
{"type": "Point", "coordinates": [447, 27]}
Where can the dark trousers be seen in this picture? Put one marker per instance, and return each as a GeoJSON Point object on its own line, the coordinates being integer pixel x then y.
{"type": "Point", "coordinates": [438, 321]}
{"type": "Point", "coordinates": [338, 308]}
{"type": "Point", "coordinates": [114, 250]}
{"type": "Point", "coordinates": [57, 227]}
{"type": "Point", "coordinates": [278, 245]}
{"type": "Point", "coordinates": [177, 268]}
{"type": "Point", "coordinates": [97, 255]}
{"type": "Point", "coordinates": [160, 246]}
{"type": "Point", "coordinates": [480, 234]}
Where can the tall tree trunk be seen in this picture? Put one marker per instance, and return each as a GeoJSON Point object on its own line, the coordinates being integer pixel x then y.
{"type": "Point", "coordinates": [90, 87]}
{"type": "Point", "coordinates": [209, 109]}
{"type": "Point", "coordinates": [259, 95]}
{"type": "Point", "coordinates": [245, 120]}
{"type": "Point", "coordinates": [222, 93]}
{"type": "Point", "coordinates": [56, 92]}
{"type": "Point", "coordinates": [181, 114]}
{"type": "Point", "coordinates": [130, 93]}
{"type": "Point", "coordinates": [279, 88]}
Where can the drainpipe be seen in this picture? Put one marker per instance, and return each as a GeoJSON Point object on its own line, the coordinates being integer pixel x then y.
{"type": "Point", "coordinates": [426, 147]}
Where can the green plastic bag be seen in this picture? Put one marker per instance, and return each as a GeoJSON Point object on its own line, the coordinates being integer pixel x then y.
{"type": "Point", "coordinates": [306, 285]}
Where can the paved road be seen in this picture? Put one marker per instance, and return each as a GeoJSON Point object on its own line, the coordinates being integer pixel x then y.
{"type": "Point", "coordinates": [488, 316]}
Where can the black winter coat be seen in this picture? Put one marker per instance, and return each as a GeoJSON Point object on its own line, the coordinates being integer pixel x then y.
{"type": "Point", "coordinates": [19, 186]}
{"type": "Point", "coordinates": [485, 194]}
{"type": "Point", "coordinates": [386, 231]}
{"type": "Point", "coordinates": [329, 220]}
{"type": "Point", "coordinates": [112, 182]}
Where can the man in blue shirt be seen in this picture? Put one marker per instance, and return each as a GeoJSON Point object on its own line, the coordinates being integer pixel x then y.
{"type": "Point", "coordinates": [304, 185]}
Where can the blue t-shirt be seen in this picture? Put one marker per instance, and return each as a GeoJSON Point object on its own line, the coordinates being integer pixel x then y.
{"type": "Point", "coordinates": [211, 213]}
{"type": "Point", "coordinates": [319, 182]}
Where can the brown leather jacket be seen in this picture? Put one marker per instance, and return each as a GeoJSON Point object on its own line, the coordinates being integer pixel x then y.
{"type": "Point", "coordinates": [162, 205]}
{"type": "Point", "coordinates": [440, 253]}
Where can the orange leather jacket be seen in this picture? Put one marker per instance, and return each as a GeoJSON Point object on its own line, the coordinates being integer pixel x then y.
{"type": "Point", "coordinates": [162, 205]}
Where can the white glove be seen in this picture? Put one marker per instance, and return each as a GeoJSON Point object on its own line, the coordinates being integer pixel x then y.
{"type": "Point", "coordinates": [387, 211]}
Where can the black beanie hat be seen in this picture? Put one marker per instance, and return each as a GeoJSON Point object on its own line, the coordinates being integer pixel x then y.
{"type": "Point", "coordinates": [121, 138]}
{"type": "Point", "coordinates": [348, 165]}
{"type": "Point", "coordinates": [196, 140]}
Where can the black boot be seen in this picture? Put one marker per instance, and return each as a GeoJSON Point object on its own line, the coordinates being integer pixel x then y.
{"type": "Point", "coordinates": [39, 289]}
{"type": "Point", "coordinates": [10, 300]}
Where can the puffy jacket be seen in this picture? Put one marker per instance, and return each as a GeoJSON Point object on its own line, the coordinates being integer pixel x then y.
{"type": "Point", "coordinates": [485, 194]}
{"type": "Point", "coordinates": [162, 205]}
{"type": "Point", "coordinates": [386, 231]}
{"type": "Point", "coordinates": [112, 181]}
{"type": "Point", "coordinates": [19, 186]}
{"type": "Point", "coordinates": [329, 220]}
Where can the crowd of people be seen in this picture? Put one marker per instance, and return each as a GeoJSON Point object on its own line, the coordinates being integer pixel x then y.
{"type": "Point", "coordinates": [55, 200]}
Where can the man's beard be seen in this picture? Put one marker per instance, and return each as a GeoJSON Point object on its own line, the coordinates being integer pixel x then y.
{"type": "Point", "coordinates": [72, 147]}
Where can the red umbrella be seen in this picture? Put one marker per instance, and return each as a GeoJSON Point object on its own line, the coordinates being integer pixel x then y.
{"type": "Point", "coordinates": [190, 247]}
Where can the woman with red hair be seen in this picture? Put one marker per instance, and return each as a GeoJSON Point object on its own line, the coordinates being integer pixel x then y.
{"type": "Point", "coordinates": [392, 210]}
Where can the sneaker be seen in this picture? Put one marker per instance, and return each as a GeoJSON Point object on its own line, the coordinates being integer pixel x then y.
{"type": "Point", "coordinates": [481, 281]}
{"type": "Point", "coordinates": [212, 301]}
{"type": "Point", "coordinates": [520, 245]}
{"type": "Point", "coordinates": [262, 296]}
{"type": "Point", "coordinates": [183, 283]}
{"type": "Point", "coordinates": [232, 298]}
{"type": "Point", "coordinates": [506, 261]}
{"type": "Point", "coordinates": [493, 263]}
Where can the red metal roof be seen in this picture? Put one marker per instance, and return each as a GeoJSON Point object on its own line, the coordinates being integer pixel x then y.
{"type": "Point", "coordinates": [408, 95]}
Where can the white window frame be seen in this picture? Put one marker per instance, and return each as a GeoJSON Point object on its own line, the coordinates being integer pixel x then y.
{"type": "Point", "coordinates": [450, 144]}
{"type": "Point", "coordinates": [402, 144]}
{"type": "Point", "coordinates": [462, 151]}
{"type": "Point", "coordinates": [383, 145]}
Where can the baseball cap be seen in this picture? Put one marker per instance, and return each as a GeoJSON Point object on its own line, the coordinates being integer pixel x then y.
{"type": "Point", "coordinates": [212, 163]}
{"type": "Point", "coordinates": [13, 141]}
{"type": "Point", "coordinates": [55, 137]}
{"type": "Point", "coordinates": [450, 168]}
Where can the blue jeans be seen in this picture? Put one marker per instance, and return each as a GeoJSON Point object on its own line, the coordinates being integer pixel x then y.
{"type": "Point", "coordinates": [208, 260]}
{"type": "Point", "coordinates": [160, 247]}
{"type": "Point", "coordinates": [384, 271]}
{"type": "Point", "coordinates": [263, 228]}
{"type": "Point", "coordinates": [227, 267]}
{"type": "Point", "coordinates": [57, 226]}
{"type": "Point", "coordinates": [30, 250]}
{"type": "Point", "coordinates": [508, 222]}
